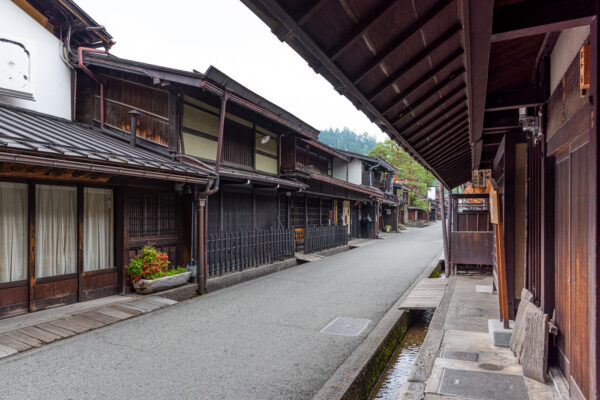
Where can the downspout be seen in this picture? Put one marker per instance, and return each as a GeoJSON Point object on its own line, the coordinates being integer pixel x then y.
{"type": "Point", "coordinates": [371, 172]}
{"type": "Point", "coordinates": [80, 51]}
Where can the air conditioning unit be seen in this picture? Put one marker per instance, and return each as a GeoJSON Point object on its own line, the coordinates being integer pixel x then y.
{"type": "Point", "coordinates": [16, 67]}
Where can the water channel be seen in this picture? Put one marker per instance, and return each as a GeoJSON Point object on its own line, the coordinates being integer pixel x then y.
{"type": "Point", "coordinates": [398, 369]}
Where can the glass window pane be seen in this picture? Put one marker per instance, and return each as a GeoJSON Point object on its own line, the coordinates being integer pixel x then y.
{"type": "Point", "coordinates": [55, 230]}
{"type": "Point", "coordinates": [13, 231]}
{"type": "Point", "coordinates": [98, 243]}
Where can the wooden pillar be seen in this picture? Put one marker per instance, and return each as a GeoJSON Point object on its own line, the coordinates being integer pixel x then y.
{"type": "Point", "coordinates": [444, 232]}
{"type": "Point", "coordinates": [201, 204]}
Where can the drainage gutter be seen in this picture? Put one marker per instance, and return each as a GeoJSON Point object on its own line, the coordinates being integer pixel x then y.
{"type": "Point", "coordinates": [358, 374]}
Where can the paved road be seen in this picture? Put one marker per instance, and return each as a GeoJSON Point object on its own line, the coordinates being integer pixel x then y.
{"type": "Point", "coordinates": [256, 340]}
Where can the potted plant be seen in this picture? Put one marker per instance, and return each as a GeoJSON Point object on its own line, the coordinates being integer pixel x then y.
{"type": "Point", "coordinates": [387, 228]}
{"type": "Point", "coordinates": [149, 272]}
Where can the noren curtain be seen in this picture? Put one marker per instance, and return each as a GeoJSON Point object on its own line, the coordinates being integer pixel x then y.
{"type": "Point", "coordinates": [55, 230]}
{"type": "Point", "coordinates": [13, 231]}
{"type": "Point", "coordinates": [98, 244]}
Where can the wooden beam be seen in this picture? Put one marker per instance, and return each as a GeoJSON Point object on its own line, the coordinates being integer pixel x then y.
{"type": "Point", "coordinates": [427, 142]}
{"type": "Point", "coordinates": [300, 37]}
{"type": "Point", "coordinates": [506, 119]}
{"type": "Point", "coordinates": [477, 20]}
{"type": "Point", "coordinates": [415, 104]}
{"type": "Point", "coordinates": [533, 17]}
{"type": "Point", "coordinates": [361, 29]}
{"type": "Point", "coordinates": [456, 152]}
{"type": "Point", "coordinates": [399, 40]}
{"type": "Point", "coordinates": [421, 81]}
{"type": "Point", "coordinates": [456, 148]}
{"type": "Point", "coordinates": [417, 134]}
{"type": "Point", "coordinates": [309, 10]}
{"type": "Point", "coordinates": [422, 55]}
{"type": "Point", "coordinates": [524, 97]}
{"type": "Point", "coordinates": [445, 140]}
{"type": "Point", "coordinates": [435, 106]}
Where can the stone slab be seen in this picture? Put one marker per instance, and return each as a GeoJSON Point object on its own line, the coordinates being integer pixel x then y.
{"type": "Point", "coordinates": [484, 288]}
{"type": "Point", "coordinates": [6, 351]}
{"type": "Point", "coordinates": [39, 334]}
{"type": "Point", "coordinates": [57, 330]}
{"type": "Point", "coordinates": [160, 301]}
{"type": "Point", "coordinates": [128, 310]}
{"type": "Point", "coordinates": [500, 336]}
{"type": "Point", "coordinates": [21, 337]}
{"type": "Point", "coordinates": [99, 317]}
{"type": "Point", "coordinates": [13, 343]}
{"type": "Point", "coordinates": [114, 313]}
{"type": "Point", "coordinates": [483, 385]}
{"type": "Point", "coordinates": [142, 305]}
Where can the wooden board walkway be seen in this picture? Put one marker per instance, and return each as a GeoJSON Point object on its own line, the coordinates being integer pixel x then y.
{"type": "Point", "coordinates": [426, 294]}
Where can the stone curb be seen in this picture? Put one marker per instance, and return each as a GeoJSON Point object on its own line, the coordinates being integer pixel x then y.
{"type": "Point", "coordinates": [358, 374]}
{"type": "Point", "coordinates": [415, 387]}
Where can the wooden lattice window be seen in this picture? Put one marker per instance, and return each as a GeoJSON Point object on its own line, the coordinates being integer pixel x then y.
{"type": "Point", "coordinates": [151, 214]}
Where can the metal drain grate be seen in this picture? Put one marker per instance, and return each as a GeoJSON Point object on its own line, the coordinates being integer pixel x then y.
{"type": "Point", "coordinates": [482, 385]}
{"type": "Point", "coordinates": [345, 326]}
{"type": "Point", "coordinates": [460, 355]}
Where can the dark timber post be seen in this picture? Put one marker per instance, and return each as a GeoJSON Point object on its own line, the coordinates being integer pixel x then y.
{"type": "Point", "coordinates": [444, 232]}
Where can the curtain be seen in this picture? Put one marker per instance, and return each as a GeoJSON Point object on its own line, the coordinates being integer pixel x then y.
{"type": "Point", "coordinates": [98, 244]}
{"type": "Point", "coordinates": [55, 230]}
{"type": "Point", "coordinates": [13, 232]}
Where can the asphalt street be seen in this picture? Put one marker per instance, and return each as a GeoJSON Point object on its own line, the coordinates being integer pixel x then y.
{"type": "Point", "coordinates": [257, 340]}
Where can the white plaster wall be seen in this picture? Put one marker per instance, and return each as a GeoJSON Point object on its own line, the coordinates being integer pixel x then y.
{"type": "Point", "coordinates": [355, 171]}
{"type": "Point", "coordinates": [52, 78]}
{"type": "Point", "coordinates": [339, 169]}
{"type": "Point", "coordinates": [566, 48]}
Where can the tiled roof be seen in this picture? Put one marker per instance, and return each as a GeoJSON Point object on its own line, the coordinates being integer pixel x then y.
{"type": "Point", "coordinates": [24, 131]}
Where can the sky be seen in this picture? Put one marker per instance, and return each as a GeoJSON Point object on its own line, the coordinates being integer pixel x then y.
{"type": "Point", "coordinates": [193, 34]}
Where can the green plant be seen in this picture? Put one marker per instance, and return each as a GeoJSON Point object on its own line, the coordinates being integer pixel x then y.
{"type": "Point", "coordinates": [151, 264]}
{"type": "Point", "coordinates": [387, 227]}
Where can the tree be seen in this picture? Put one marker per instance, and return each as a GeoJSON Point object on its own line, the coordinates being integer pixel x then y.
{"type": "Point", "coordinates": [416, 177]}
{"type": "Point", "coordinates": [348, 140]}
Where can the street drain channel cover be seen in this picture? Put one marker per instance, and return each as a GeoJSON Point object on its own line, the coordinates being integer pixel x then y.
{"type": "Point", "coordinates": [482, 385]}
{"type": "Point", "coordinates": [345, 326]}
{"type": "Point", "coordinates": [460, 355]}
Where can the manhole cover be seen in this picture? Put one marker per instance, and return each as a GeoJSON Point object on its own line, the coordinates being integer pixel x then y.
{"type": "Point", "coordinates": [345, 326]}
{"type": "Point", "coordinates": [482, 385]}
{"type": "Point", "coordinates": [460, 355]}
{"type": "Point", "coordinates": [490, 367]}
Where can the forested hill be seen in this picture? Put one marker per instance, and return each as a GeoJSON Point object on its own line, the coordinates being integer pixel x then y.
{"type": "Point", "coordinates": [348, 140]}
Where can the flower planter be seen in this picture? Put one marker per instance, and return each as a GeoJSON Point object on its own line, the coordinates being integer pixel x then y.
{"type": "Point", "coordinates": [146, 286]}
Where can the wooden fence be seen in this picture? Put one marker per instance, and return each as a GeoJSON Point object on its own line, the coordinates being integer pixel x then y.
{"type": "Point", "coordinates": [319, 238]}
{"type": "Point", "coordinates": [237, 251]}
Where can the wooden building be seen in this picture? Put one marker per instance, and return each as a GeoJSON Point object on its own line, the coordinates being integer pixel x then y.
{"type": "Point", "coordinates": [76, 201]}
{"type": "Point", "coordinates": [446, 81]}
{"type": "Point", "coordinates": [335, 193]}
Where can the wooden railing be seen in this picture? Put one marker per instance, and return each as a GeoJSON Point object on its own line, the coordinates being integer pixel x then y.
{"type": "Point", "coordinates": [237, 251]}
{"type": "Point", "coordinates": [319, 238]}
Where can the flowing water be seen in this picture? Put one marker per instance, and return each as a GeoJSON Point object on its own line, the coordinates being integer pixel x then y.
{"type": "Point", "coordinates": [398, 369]}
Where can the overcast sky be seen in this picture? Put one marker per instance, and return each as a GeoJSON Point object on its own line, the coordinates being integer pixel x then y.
{"type": "Point", "coordinates": [225, 33]}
